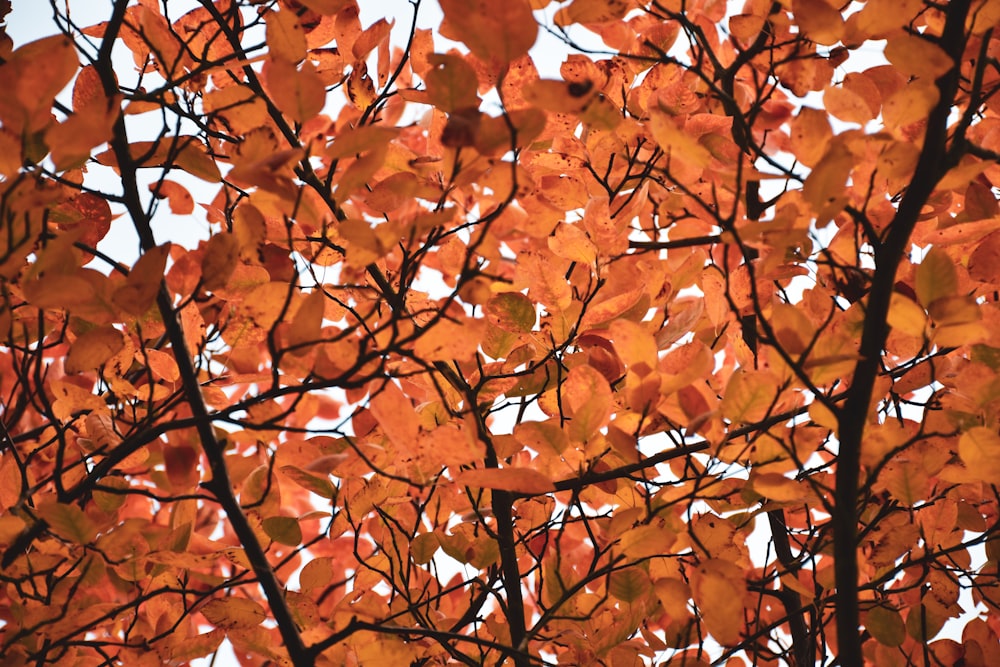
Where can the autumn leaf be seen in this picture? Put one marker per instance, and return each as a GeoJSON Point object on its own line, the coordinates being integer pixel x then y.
{"type": "Point", "coordinates": [501, 32]}
{"type": "Point", "coordinates": [232, 612]}
{"type": "Point", "coordinates": [68, 522]}
{"type": "Point", "coordinates": [93, 349]}
{"type": "Point", "coordinates": [518, 480]}
{"type": "Point", "coordinates": [408, 344]}
{"type": "Point", "coordinates": [718, 589]}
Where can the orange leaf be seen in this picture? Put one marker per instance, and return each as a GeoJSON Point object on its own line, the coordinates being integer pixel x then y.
{"type": "Point", "coordinates": [233, 613]}
{"type": "Point", "coordinates": [143, 282]}
{"type": "Point", "coordinates": [286, 40]}
{"type": "Point", "coordinates": [180, 200]}
{"type": "Point", "coordinates": [517, 480]}
{"type": "Point", "coordinates": [718, 587]}
{"type": "Point", "coordinates": [299, 93]}
{"type": "Point", "coordinates": [592, 11]}
{"type": "Point", "coordinates": [572, 243]}
{"type": "Point", "coordinates": [219, 261]}
{"type": "Point", "coordinates": [308, 321]}
{"type": "Point", "coordinates": [92, 349]}
{"type": "Point", "coordinates": [589, 402]}
{"type": "Point", "coordinates": [372, 36]}
{"type": "Point", "coordinates": [10, 483]}
{"type": "Point", "coordinates": [749, 396]}
{"type": "Point", "coordinates": [448, 340]}
{"type": "Point", "coordinates": [819, 21]}
{"type": "Point", "coordinates": [500, 31]}
{"type": "Point", "coordinates": [68, 522]}
{"type": "Point", "coordinates": [396, 416]}
{"type": "Point", "coordinates": [916, 55]}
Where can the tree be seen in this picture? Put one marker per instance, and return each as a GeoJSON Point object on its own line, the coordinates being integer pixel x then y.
{"type": "Point", "coordinates": [350, 344]}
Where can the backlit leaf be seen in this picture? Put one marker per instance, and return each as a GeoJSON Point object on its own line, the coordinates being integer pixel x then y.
{"type": "Point", "coordinates": [517, 480]}
{"type": "Point", "coordinates": [283, 530]}
{"type": "Point", "coordinates": [979, 449]}
{"type": "Point", "coordinates": [286, 39]}
{"type": "Point", "coordinates": [718, 588]}
{"type": "Point", "coordinates": [511, 311]}
{"type": "Point", "coordinates": [93, 349]}
{"type": "Point", "coordinates": [68, 522]}
{"type": "Point", "coordinates": [501, 32]}
{"type": "Point", "coordinates": [885, 625]}
{"type": "Point", "coordinates": [934, 277]}
{"type": "Point", "coordinates": [233, 612]}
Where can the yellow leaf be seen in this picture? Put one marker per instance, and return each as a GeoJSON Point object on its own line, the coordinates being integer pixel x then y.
{"type": "Point", "coordinates": [101, 431]}
{"type": "Point", "coordinates": [845, 104]}
{"type": "Point", "coordinates": [629, 584]}
{"type": "Point", "coordinates": [635, 346]}
{"type": "Point", "coordinates": [572, 243]}
{"type": "Point", "coordinates": [792, 328]}
{"type": "Point", "coordinates": [979, 449]}
{"type": "Point", "coordinates": [777, 487]}
{"type": "Point", "coordinates": [750, 394]}
{"type": "Point", "coordinates": [233, 613]}
{"type": "Point", "coordinates": [935, 277]}
{"type": "Point", "coordinates": [286, 40]}
{"type": "Point", "coordinates": [423, 547]}
{"type": "Point", "coordinates": [34, 74]}
{"type": "Point", "coordinates": [560, 96]}
{"type": "Point", "coordinates": [517, 480]}
{"type": "Point", "coordinates": [916, 55]}
{"type": "Point", "coordinates": [541, 436]}
{"type": "Point", "coordinates": [718, 588]}
{"type": "Point", "coordinates": [647, 541]}
{"type": "Point", "coordinates": [93, 349]}
{"type": "Point", "coordinates": [592, 11]}
{"type": "Point", "coordinates": [396, 416]}
{"type": "Point", "coordinates": [824, 188]}
{"type": "Point", "coordinates": [906, 316]}
{"type": "Point", "coordinates": [910, 104]}
{"type": "Point", "coordinates": [183, 649]}
{"type": "Point", "coordinates": [451, 84]}
{"type": "Point", "coordinates": [676, 143]}
{"type": "Point", "coordinates": [956, 335]}
{"type": "Point", "coordinates": [820, 22]}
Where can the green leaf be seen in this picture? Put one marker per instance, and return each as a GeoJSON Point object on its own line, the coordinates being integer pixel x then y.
{"type": "Point", "coordinates": [935, 277]}
{"type": "Point", "coordinates": [629, 585]}
{"type": "Point", "coordinates": [283, 530]}
{"type": "Point", "coordinates": [886, 626]}
{"type": "Point", "coordinates": [511, 311]}
{"type": "Point", "coordinates": [68, 522]}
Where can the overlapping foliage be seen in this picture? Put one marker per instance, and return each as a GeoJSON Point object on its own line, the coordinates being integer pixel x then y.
{"type": "Point", "coordinates": [353, 343]}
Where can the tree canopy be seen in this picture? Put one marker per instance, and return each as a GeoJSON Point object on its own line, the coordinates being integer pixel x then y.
{"type": "Point", "coordinates": [501, 332]}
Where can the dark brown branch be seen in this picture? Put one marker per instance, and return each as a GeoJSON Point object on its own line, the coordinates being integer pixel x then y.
{"type": "Point", "coordinates": [853, 417]}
